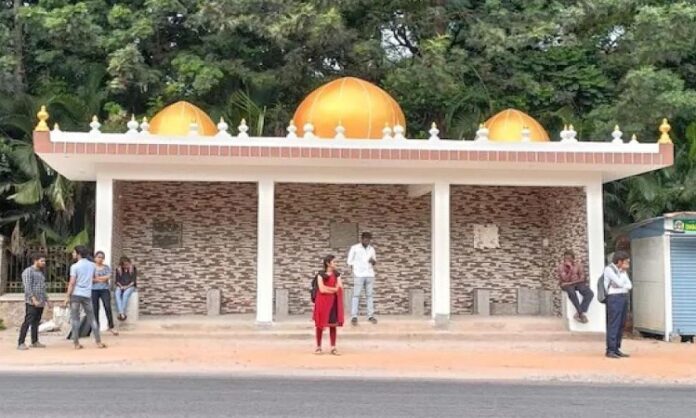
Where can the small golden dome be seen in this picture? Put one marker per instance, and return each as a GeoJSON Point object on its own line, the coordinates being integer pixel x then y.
{"type": "Point", "coordinates": [362, 108]}
{"type": "Point", "coordinates": [507, 126]}
{"type": "Point", "coordinates": [176, 119]}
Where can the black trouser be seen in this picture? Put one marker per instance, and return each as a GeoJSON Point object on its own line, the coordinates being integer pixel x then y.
{"type": "Point", "coordinates": [617, 308]}
{"type": "Point", "coordinates": [105, 296]}
{"type": "Point", "coordinates": [586, 293]}
{"type": "Point", "coordinates": [31, 319]}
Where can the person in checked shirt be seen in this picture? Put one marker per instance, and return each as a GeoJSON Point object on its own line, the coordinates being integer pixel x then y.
{"type": "Point", "coordinates": [35, 299]}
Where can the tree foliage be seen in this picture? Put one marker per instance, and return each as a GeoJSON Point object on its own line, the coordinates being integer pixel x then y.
{"type": "Point", "coordinates": [593, 63]}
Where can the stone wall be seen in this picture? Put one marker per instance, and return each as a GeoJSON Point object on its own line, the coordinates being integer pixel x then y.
{"type": "Point", "coordinates": [400, 226]}
{"type": "Point", "coordinates": [219, 244]}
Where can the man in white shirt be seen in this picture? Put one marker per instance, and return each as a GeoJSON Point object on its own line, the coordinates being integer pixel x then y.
{"type": "Point", "coordinates": [361, 259]}
{"type": "Point", "coordinates": [618, 286]}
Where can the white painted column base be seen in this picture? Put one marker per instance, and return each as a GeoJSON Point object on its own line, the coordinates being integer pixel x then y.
{"type": "Point", "coordinates": [264, 257]}
{"type": "Point", "coordinates": [440, 209]}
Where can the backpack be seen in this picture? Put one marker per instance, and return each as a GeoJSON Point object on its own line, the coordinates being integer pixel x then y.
{"type": "Point", "coordinates": [602, 291]}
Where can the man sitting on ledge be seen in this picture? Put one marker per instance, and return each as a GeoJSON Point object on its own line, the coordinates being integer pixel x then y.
{"type": "Point", "coordinates": [572, 279]}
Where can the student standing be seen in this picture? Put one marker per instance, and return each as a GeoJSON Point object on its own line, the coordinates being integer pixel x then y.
{"type": "Point", "coordinates": [79, 296]}
{"type": "Point", "coordinates": [101, 290]}
{"type": "Point", "coordinates": [35, 299]}
{"type": "Point", "coordinates": [361, 259]}
{"type": "Point", "coordinates": [618, 285]}
{"type": "Point", "coordinates": [328, 304]}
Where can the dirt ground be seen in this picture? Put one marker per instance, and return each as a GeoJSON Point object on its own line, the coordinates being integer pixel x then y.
{"type": "Point", "coordinates": [576, 361]}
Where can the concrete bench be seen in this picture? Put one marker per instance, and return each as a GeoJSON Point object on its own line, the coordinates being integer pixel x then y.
{"type": "Point", "coordinates": [534, 302]}
{"type": "Point", "coordinates": [416, 302]}
{"type": "Point", "coordinates": [482, 302]}
{"type": "Point", "coordinates": [213, 301]}
{"type": "Point", "coordinates": [282, 303]}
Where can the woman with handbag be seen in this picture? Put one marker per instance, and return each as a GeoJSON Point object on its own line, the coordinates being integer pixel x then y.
{"type": "Point", "coordinates": [328, 304]}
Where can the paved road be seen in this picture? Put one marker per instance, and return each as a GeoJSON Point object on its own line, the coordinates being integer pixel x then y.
{"type": "Point", "coordinates": [91, 396]}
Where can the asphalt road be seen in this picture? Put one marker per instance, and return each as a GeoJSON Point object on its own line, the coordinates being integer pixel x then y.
{"type": "Point", "coordinates": [70, 395]}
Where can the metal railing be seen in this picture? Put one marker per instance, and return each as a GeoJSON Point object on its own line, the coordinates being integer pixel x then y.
{"type": "Point", "coordinates": [57, 269]}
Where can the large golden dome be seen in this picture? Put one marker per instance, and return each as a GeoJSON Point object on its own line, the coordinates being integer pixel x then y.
{"type": "Point", "coordinates": [507, 126]}
{"type": "Point", "coordinates": [362, 108]}
{"type": "Point", "coordinates": [175, 120]}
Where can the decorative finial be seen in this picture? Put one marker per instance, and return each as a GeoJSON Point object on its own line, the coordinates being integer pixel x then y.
{"type": "Point", "coordinates": [243, 130]}
{"type": "Point", "coordinates": [571, 134]}
{"type": "Point", "coordinates": [56, 128]}
{"type": "Point", "coordinates": [308, 130]}
{"type": "Point", "coordinates": [387, 132]}
{"type": "Point", "coordinates": [399, 132]}
{"type": "Point", "coordinates": [223, 127]}
{"type": "Point", "coordinates": [617, 134]}
{"type": "Point", "coordinates": [481, 133]}
{"type": "Point", "coordinates": [95, 125]}
{"type": "Point", "coordinates": [564, 133]}
{"type": "Point", "coordinates": [665, 128]}
{"type": "Point", "coordinates": [526, 134]}
{"type": "Point", "coordinates": [434, 132]}
{"type": "Point", "coordinates": [292, 130]}
{"type": "Point", "coordinates": [42, 126]}
{"type": "Point", "coordinates": [132, 125]}
{"type": "Point", "coordinates": [634, 139]}
{"type": "Point", "coordinates": [145, 127]}
{"type": "Point", "coordinates": [340, 132]}
{"type": "Point", "coordinates": [193, 128]}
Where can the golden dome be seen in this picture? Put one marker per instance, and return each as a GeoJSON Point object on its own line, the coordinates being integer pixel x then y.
{"type": "Point", "coordinates": [507, 126]}
{"type": "Point", "coordinates": [175, 120]}
{"type": "Point", "coordinates": [362, 108]}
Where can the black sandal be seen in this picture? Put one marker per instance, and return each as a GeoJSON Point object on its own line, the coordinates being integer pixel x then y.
{"type": "Point", "coordinates": [318, 351]}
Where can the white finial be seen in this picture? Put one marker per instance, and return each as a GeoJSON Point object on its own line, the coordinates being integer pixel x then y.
{"type": "Point", "coordinates": [308, 130]}
{"type": "Point", "coordinates": [564, 133]}
{"type": "Point", "coordinates": [399, 132]}
{"type": "Point", "coordinates": [340, 132]}
{"type": "Point", "coordinates": [617, 134]}
{"type": "Point", "coordinates": [482, 133]}
{"type": "Point", "coordinates": [387, 132]}
{"type": "Point", "coordinates": [634, 139]}
{"type": "Point", "coordinates": [434, 132]}
{"type": "Point", "coordinates": [193, 128]}
{"type": "Point", "coordinates": [95, 125]}
{"type": "Point", "coordinates": [56, 128]}
{"type": "Point", "coordinates": [132, 125]}
{"type": "Point", "coordinates": [572, 134]}
{"type": "Point", "coordinates": [526, 134]}
{"type": "Point", "coordinates": [145, 127]}
{"type": "Point", "coordinates": [292, 130]}
{"type": "Point", "coordinates": [243, 129]}
{"type": "Point", "coordinates": [223, 128]}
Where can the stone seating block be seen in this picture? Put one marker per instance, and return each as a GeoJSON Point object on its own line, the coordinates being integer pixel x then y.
{"type": "Point", "coordinates": [133, 308]}
{"type": "Point", "coordinates": [546, 302]}
{"type": "Point", "coordinates": [416, 302]}
{"type": "Point", "coordinates": [482, 302]}
{"type": "Point", "coordinates": [213, 301]}
{"type": "Point", "coordinates": [507, 309]}
{"type": "Point", "coordinates": [282, 303]}
{"type": "Point", "coordinates": [527, 301]}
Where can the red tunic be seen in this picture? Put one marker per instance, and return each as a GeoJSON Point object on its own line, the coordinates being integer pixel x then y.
{"type": "Point", "coordinates": [328, 307]}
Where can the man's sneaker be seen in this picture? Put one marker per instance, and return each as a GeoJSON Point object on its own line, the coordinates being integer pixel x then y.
{"type": "Point", "coordinates": [577, 317]}
{"type": "Point", "coordinates": [354, 321]}
{"type": "Point", "coordinates": [612, 355]}
{"type": "Point", "coordinates": [22, 347]}
{"type": "Point", "coordinates": [583, 319]}
{"type": "Point", "coordinates": [372, 319]}
{"type": "Point", "coordinates": [622, 354]}
{"type": "Point", "coordinates": [38, 345]}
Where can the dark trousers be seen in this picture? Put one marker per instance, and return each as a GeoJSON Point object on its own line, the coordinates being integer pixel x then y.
{"type": "Point", "coordinates": [31, 319]}
{"type": "Point", "coordinates": [617, 308]}
{"type": "Point", "coordinates": [105, 296]}
{"type": "Point", "coordinates": [586, 293]}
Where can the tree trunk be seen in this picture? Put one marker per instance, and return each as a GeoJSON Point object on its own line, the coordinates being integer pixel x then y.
{"type": "Point", "coordinates": [20, 74]}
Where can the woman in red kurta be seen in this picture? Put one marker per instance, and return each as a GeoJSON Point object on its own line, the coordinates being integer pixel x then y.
{"type": "Point", "coordinates": [328, 304]}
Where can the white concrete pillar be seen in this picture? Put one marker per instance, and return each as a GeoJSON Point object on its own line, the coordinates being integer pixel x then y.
{"type": "Point", "coordinates": [264, 256]}
{"type": "Point", "coordinates": [440, 240]}
{"type": "Point", "coordinates": [595, 247]}
{"type": "Point", "coordinates": [104, 216]}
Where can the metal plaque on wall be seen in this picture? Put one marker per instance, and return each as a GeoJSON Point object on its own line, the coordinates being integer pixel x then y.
{"type": "Point", "coordinates": [166, 234]}
{"type": "Point", "coordinates": [343, 235]}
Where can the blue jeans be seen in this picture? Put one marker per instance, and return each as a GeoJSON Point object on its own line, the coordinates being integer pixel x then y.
{"type": "Point", "coordinates": [368, 283]}
{"type": "Point", "coordinates": [617, 307]}
{"type": "Point", "coordinates": [77, 302]}
{"type": "Point", "coordinates": [122, 296]}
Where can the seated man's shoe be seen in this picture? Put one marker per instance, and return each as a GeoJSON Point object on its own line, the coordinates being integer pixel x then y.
{"type": "Point", "coordinates": [577, 317]}
{"type": "Point", "coordinates": [37, 345]}
{"type": "Point", "coordinates": [372, 319]}
{"type": "Point", "coordinates": [354, 321]}
{"type": "Point", "coordinates": [612, 355]}
{"type": "Point", "coordinates": [622, 354]}
{"type": "Point", "coordinates": [22, 347]}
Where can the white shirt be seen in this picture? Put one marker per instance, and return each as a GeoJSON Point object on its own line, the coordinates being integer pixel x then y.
{"type": "Point", "coordinates": [359, 259]}
{"type": "Point", "coordinates": [616, 283]}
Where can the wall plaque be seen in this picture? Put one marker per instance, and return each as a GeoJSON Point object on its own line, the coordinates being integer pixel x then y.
{"type": "Point", "coordinates": [486, 236]}
{"type": "Point", "coordinates": [166, 234]}
{"type": "Point", "coordinates": [343, 235]}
